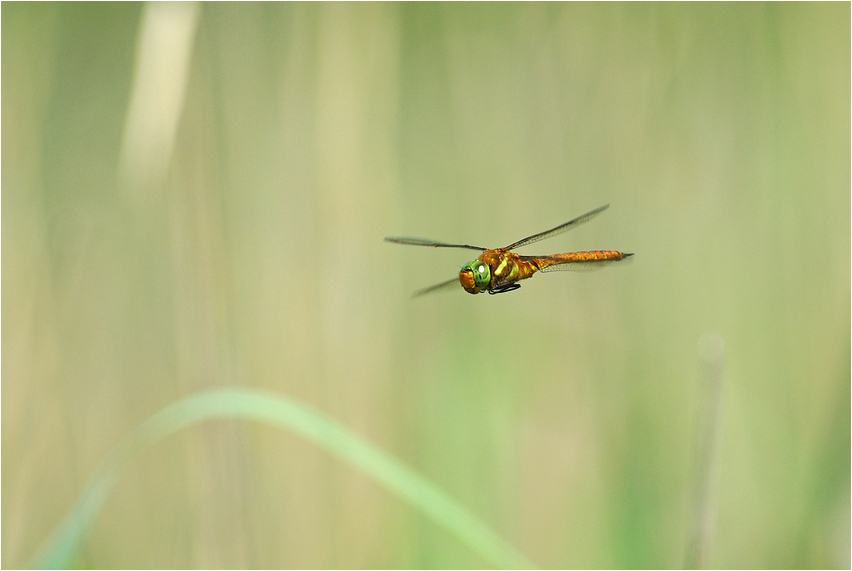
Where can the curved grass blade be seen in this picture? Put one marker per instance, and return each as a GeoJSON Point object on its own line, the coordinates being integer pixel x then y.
{"type": "Point", "coordinates": [245, 403]}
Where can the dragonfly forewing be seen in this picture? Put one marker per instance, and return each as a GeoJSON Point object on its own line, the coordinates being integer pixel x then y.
{"type": "Point", "coordinates": [432, 243]}
{"type": "Point", "coordinates": [559, 229]}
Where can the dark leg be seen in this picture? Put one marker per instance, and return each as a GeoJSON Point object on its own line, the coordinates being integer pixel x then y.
{"type": "Point", "coordinates": [502, 288]}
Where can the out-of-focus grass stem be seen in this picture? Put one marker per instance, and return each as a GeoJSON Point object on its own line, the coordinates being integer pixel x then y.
{"type": "Point", "coordinates": [705, 463]}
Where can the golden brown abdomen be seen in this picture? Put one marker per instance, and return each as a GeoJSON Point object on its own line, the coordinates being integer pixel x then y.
{"type": "Point", "coordinates": [579, 260]}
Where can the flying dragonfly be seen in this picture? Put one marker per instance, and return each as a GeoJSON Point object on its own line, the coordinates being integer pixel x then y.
{"type": "Point", "coordinates": [499, 270]}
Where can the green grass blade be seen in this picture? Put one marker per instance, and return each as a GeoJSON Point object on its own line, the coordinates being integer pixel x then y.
{"type": "Point", "coordinates": [276, 410]}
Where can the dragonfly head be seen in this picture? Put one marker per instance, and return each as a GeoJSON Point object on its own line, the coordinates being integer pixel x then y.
{"type": "Point", "coordinates": [475, 276]}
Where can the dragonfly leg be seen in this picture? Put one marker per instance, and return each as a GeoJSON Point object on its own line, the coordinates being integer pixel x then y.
{"type": "Point", "coordinates": [502, 288]}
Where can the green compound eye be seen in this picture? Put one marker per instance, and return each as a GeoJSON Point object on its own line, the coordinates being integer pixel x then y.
{"type": "Point", "coordinates": [481, 274]}
{"type": "Point", "coordinates": [475, 276]}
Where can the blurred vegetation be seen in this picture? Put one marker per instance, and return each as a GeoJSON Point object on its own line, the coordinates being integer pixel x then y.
{"type": "Point", "coordinates": [195, 196]}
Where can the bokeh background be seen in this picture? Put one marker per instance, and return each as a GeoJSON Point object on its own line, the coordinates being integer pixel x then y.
{"type": "Point", "coordinates": [197, 195]}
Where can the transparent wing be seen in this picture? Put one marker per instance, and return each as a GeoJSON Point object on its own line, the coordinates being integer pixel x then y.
{"type": "Point", "coordinates": [431, 243]}
{"type": "Point", "coordinates": [559, 229]}
{"type": "Point", "coordinates": [437, 287]}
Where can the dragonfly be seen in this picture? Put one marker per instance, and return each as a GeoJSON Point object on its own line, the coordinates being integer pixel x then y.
{"type": "Point", "coordinates": [499, 270]}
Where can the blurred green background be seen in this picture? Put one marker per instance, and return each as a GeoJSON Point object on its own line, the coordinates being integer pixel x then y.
{"type": "Point", "coordinates": [196, 196]}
